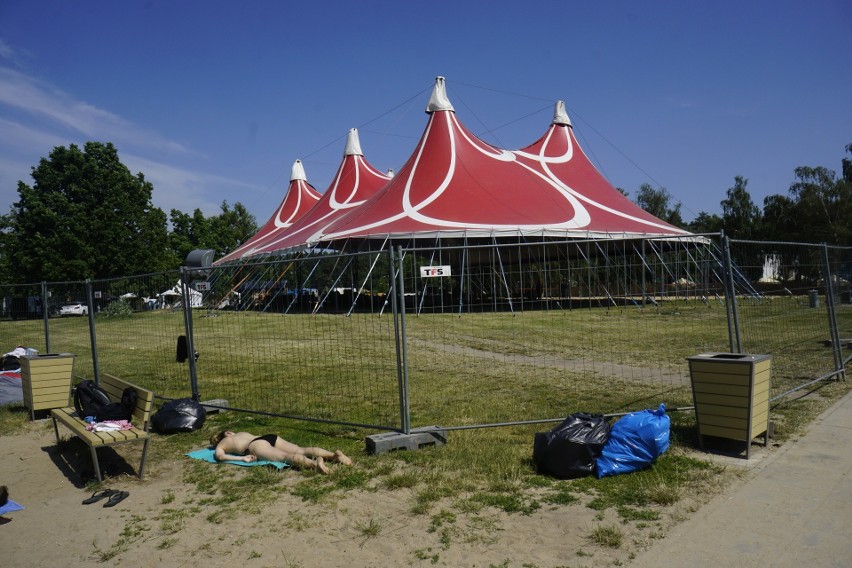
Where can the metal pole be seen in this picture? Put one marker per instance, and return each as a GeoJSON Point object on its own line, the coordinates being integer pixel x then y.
{"type": "Point", "coordinates": [190, 341]}
{"type": "Point", "coordinates": [397, 298]}
{"type": "Point", "coordinates": [832, 316]}
{"type": "Point", "coordinates": [403, 340]}
{"type": "Point", "coordinates": [731, 299]}
{"type": "Point", "coordinates": [643, 268]}
{"type": "Point", "coordinates": [92, 336]}
{"type": "Point", "coordinates": [44, 312]}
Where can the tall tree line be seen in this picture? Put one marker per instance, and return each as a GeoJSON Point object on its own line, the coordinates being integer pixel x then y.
{"type": "Point", "coordinates": [87, 216]}
{"type": "Point", "coordinates": [816, 209]}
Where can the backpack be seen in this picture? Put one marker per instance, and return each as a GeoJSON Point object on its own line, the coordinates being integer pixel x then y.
{"type": "Point", "coordinates": [90, 399]}
{"type": "Point", "coordinates": [119, 410]}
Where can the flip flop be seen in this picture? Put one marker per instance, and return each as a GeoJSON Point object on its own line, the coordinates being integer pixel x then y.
{"type": "Point", "coordinates": [117, 498]}
{"type": "Point", "coordinates": [98, 495]}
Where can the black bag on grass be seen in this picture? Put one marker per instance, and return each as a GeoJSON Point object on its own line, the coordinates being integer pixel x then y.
{"type": "Point", "coordinates": [181, 415]}
{"type": "Point", "coordinates": [571, 449]}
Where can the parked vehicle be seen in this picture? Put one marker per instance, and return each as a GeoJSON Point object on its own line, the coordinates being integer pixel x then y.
{"type": "Point", "coordinates": [76, 309]}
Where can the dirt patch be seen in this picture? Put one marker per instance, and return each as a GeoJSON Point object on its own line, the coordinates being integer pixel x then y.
{"type": "Point", "coordinates": [167, 522]}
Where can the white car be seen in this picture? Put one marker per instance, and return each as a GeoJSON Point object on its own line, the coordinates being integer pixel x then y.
{"type": "Point", "coordinates": [77, 309]}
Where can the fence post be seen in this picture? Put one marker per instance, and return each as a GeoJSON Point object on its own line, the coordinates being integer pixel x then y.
{"type": "Point", "coordinates": [190, 340]}
{"type": "Point", "coordinates": [644, 266]}
{"type": "Point", "coordinates": [45, 309]}
{"type": "Point", "coordinates": [832, 317]}
{"type": "Point", "coordinates": [398, 307]}
{"type": "Point", "coordinates": [96, 368]}
{"type": "Point", "coordinates": [731, 299]}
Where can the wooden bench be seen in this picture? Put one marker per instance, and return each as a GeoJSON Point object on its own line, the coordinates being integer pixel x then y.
{"type": "Point", "coordinates": [139, 433]}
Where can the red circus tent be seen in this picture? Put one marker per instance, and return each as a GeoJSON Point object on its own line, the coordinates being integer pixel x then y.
{"type": "Point", "coordinates": [455, 184]}
{"type": "Point", "coordinates": [355, 181]}
{"type": "Point", "coordinates": [299, 199]}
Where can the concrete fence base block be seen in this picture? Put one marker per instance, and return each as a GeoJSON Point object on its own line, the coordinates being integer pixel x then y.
{"type": "Point", "coordinates": [418, 438]}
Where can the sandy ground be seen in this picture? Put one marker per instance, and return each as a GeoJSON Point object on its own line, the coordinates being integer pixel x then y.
{"type": "Point", "coordinates": [55, 529]}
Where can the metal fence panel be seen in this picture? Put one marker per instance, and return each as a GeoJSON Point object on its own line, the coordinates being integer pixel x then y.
{"type": "Point", "coordinates": [479, 334]}
{"type": "Point", "coordinates": [783, 309]}
{"type": "Point", "coordinates": [301, 337]}
{"type": "Point", "coordinates": [533, 332]}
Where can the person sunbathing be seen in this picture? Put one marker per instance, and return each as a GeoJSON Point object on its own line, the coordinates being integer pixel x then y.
{"type": "Point", "coordinates": [246, 447]}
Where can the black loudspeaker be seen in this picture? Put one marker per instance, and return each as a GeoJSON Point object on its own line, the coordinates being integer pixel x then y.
{"type": "Point", "coordinates": [199, 258]}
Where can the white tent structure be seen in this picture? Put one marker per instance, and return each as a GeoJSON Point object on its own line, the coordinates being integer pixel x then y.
{"type": "Point", "coordinates": [173, 294]}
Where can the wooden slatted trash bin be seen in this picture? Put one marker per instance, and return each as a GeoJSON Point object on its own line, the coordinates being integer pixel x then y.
{"type": "Point", "coordinates": [46, 381]}
{"type": "Point", "coordinates": [731, 396]}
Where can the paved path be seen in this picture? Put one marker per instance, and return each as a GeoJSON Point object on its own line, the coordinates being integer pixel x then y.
{"type": "Point", "coordinates": [795, 510]}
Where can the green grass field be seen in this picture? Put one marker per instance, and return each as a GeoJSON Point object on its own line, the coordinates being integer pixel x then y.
{"type": "Point", "coordinates": [476, 369]}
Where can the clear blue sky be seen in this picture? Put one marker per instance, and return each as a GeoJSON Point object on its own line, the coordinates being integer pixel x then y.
{"type": "Point", "coordinates": [214, 100]}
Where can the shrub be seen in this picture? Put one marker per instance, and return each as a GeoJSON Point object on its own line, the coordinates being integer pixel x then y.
{"type": "Point", "coordinates": [116, 310]}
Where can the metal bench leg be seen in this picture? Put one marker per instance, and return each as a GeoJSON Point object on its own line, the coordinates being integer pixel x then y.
{"type": "Point", "coordinates": [144, 455]}
{"type": "Point", "coordinates": [96, 464]}
{"type": "Point", "coordinates": [55, 429]}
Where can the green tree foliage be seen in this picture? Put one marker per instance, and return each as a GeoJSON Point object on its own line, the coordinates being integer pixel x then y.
{"type": "Point", "coordinates": [705, 223]}
{"type": "Point", "coordinates": [222, 233]}
{"type": "Point", "coordinates": [823, 204]}
{"type": "Point", "coordinates": [657, 202]}
{"type": "Point", "coordinates": [817, 208]}
{"type": "Point", "coordinates": [231, 228]}
{"type": "Point", "coordinates": [85, 216]}
{"type": "Point", "coordinates": [741, 218]}
{"type": "Point", "coordinates": [779, 219]}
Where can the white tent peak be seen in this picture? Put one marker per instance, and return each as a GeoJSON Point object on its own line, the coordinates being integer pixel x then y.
{"type": "Point", "coordinates": [390, 172]}
{"type": "Point", "coordinates": [353, 144]}
{"type": "Point", "coordinates": [559, 114]}
{"type": "Point", "coordinates": [298, 171]}
{"type": "Point", "coordinates": [439, 100]}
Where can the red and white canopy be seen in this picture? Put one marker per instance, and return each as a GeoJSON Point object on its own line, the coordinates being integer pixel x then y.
{"type": "Point", "coordinates": [355, 181]}
{"type": "Point", "coordinates": [455, 184]}
{"type": "Point", "coordinates": [299, 199]}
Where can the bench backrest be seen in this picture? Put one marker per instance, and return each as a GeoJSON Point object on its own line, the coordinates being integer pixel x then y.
{"type": "Point", "coordinates": [115, 388]}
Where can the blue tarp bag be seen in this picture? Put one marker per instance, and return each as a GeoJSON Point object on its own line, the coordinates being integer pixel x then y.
{"type": "Point", "coordinates": [635, 442]}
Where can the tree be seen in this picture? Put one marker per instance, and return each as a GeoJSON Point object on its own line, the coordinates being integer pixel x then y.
{"type": "Point", "coordinates": [188, 232]}
{"type": "Point", "coordinates": [740, 216]}
{"type": "Point", "coordinates": [657, 203]}
{"type": "Point", "coordinates": [817, 208]}
{"type": "Point", "coordinates": [705, 223]}
{"type": "Point", "coordinates": [85, 216]}
{"type": "Point", "coordinates": [231, 228]}
{"type": "Point", "coordinates": [222, 233]}
{"type": "Point", "coordinates": [824, 203]}
{"type": "Point", "coordinates": [779, 219]}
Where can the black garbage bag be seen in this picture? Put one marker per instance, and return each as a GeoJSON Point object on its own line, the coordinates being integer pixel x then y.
{"type": "Point", "coordinates": [181, 415]}
{"type": "Point", "coordinates": [571, 449]}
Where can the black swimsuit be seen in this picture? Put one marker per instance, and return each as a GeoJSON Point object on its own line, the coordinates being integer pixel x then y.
{"type": "Point", "coordinates": [271, 438]}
